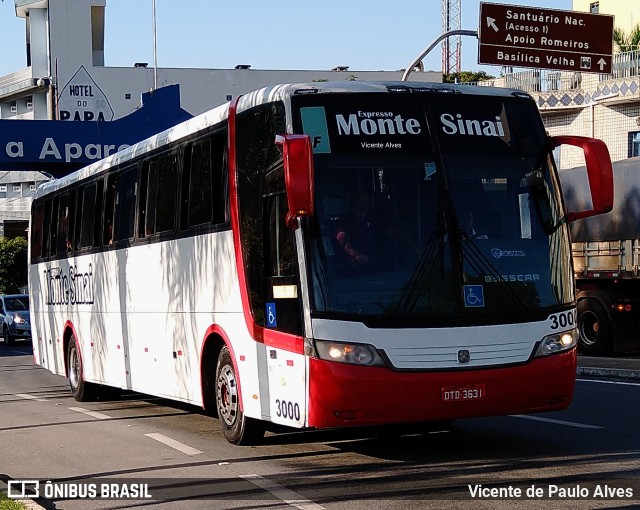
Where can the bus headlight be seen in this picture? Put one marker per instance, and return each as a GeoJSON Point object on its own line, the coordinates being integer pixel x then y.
{"type": "Point", "coordinates": [354, 354]}
{"type": "Point", "coordinates": [558, 342]}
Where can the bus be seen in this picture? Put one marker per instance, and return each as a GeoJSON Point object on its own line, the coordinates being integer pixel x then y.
{"type": "Point", "coordinates": [211, 264]}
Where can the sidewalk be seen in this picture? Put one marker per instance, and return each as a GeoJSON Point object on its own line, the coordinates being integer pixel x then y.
{"type": "Point", "coordinates": [617, 368]}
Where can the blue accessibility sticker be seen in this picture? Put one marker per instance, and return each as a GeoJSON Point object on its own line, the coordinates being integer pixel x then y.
{"type": "Point", "coordinates": [473, 296]}
{"type": "Point", "coordinates": [272, 321]}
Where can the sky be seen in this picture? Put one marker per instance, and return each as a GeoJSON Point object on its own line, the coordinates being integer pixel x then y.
{"type": "Point", "coordinates": [367, 35]}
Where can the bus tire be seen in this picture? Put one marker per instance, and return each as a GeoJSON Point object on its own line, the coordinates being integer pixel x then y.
{"type": "Point", "coordinates": [594, 328]}
{"type": "Point", "coordinates": [81, 390]}
{"type": "Point", "coordinates": [236, 427]}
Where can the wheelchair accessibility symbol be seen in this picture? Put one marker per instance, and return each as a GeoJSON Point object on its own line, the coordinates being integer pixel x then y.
{"type": "Point", "coordinates": [272, 321]}
{"type": "Point", "coordinates": [473, 296]}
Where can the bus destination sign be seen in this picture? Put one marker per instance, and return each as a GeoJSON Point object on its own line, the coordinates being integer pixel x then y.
{"type": "Point", "coordinates": [519, 36]}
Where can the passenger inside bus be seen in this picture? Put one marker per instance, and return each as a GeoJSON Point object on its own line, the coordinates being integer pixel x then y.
{"type": "Point", "coordinates": [357, 232]}
{"type": "Point", "coordinates": [466, 225]}
{"type": "Point", "coordinates": [365, 235]}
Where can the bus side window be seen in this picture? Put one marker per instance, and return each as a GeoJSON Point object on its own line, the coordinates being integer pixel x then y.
{"type": "Point", "coordinates": [167, 191]}
{"type": "Point", "coordinates": [65, 223]}
{"type": "Point", "coordinates": [197, 199]}
{"type": "Point", "coordinates": [124, 210]}
{"type": "Point", "coordinates": [204, 182]}
{"type": "Point", "coordinates": [46, 228]}
{"type": "Point", "coordinates": [37, 231]}
{"type": "Point", "coordinates": [77, 222]}
{"type": "Point", "coordinates": [53, 230]}
{"type": "Point", "coordinates": [109, 209]}
{"type": "Point", "coordinates": [159, 183]}
{"type": "Point", "coordinates": [88, 205]}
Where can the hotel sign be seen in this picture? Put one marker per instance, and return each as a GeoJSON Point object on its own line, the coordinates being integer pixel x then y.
{"type": "Point", "coordinates": [518, 36]}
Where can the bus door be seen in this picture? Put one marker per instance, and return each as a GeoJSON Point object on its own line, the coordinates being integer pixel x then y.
{"type": "Point", "coordinates": [283, 310]}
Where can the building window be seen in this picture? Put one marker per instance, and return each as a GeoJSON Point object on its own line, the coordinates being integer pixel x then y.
{"type": "Point", "coordinates": [32, 186]}
{"type": "Point", "coordinates": [594, 7]}
{"type": "Point", "coordinates": [17, 188]}
{"type": "Point", "coordinates": [634, 144]}
{"type": "Point", "coordinates": [3, 188]}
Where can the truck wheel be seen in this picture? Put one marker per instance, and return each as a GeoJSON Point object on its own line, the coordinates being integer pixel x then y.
{"type": "Point", "coordinates": [81, 390]}
{"type": "Point", "coordinates": [236, 427]}
{"type": "Point", "coordinates": [594, 328]}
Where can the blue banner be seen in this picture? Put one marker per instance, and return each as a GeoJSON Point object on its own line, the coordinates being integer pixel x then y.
{"type": "Point", "coordinates": [60, 147]}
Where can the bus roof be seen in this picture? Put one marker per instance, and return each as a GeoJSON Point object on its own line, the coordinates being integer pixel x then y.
{"type": "Point", "coordinates": [267, 94]}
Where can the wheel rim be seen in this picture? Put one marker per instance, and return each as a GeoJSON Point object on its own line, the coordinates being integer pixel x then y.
{"type": "Point", "coordinates": [589, 328]}
{"type": "Point", "coordinates": [74, 368]}
{"type": "Point", "coordinates": [227, 395]}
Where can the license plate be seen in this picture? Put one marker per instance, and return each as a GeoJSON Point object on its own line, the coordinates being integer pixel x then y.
{"type": "Point", "coordinates": [463, 393]}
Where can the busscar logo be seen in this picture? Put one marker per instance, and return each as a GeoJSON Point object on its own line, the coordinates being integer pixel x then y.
{"type": "Point", "coordinates": [376, 123]}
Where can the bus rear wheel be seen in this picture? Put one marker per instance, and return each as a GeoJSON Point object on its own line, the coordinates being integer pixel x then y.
{"type": "Point", "coordinates": [236, 427]}
{"type": "Point", "coordinates": [594, 328]}
{"type": "Point", "coordinates": [81, 390]}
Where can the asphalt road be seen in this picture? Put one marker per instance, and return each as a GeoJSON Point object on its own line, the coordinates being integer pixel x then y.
{"type": "Point", "coordinates": [578, 458]}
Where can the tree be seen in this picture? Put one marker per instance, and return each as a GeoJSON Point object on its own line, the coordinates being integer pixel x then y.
{"type": "Point", "coordinates": [466, 77]}
{"type": "Point", "coordinates": [13, 264]}
{"type": "Point", "coordinates": [627, 42]}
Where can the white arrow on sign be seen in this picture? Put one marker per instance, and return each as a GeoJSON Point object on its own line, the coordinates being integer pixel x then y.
{"type": "Point", "coordinates": [602, 62]}
{"type": "Point", "coordinates": [491, 22]}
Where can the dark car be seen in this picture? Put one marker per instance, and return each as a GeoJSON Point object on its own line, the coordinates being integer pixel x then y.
{"type": "Point", "coordinates": [15, 319]}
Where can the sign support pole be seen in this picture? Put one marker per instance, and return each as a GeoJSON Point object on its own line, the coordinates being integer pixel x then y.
{"type": "Point", "coordinates": [419, 58]}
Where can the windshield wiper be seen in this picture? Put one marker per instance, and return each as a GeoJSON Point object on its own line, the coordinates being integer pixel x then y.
{"type": "Point", "coordinates": [416, 285]}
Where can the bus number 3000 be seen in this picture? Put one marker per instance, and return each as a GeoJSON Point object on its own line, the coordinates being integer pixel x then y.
{"type": "Point", "coordinates": [287, 410]}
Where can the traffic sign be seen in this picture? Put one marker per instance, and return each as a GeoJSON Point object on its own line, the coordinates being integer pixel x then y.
{"type": "Point", "coordinates": [519, 36]}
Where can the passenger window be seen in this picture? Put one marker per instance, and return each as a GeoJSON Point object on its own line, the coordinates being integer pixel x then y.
{"type": "Point", "coordinates": [37, 232]}
{"type": "Point", "coordinates": [158, 201]}
{"type": "Point", "coordinates": [65, 223]}
{"type": "Point", "coordinates": [204, 182]}
{"type": "Point", "coordinates": [125, 209]}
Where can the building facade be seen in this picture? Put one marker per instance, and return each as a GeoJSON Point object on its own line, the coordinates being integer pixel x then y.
{"type": "Point", "coordinates": [626, 12]}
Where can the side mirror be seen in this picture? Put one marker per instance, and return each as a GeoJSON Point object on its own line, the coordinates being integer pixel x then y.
{"type": "Point", "coordinates": [599, 173]}
{"type": "Point", "coordinates": [298, 176]}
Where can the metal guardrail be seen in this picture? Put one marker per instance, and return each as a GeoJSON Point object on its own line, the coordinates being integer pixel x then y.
{"type": "Point", "coordinates": [624, 65]}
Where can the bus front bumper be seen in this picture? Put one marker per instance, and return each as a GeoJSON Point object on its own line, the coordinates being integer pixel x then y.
{"type": "Point", "coordinates": [349, 395]}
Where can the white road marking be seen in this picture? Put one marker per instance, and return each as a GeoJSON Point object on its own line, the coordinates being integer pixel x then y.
{"type": "Point", "coordinates": [26, 396]}
{"type": "Point", "coordinates": [93, 414]}
{"type": "Point", "coordinates": [556, 422]}
{"type": "Point", "coordinates": [287, 495]}
{"type": "Point", "coordinates": [172, 443]}
{"type": "Point", "coordinates": [609, 382]}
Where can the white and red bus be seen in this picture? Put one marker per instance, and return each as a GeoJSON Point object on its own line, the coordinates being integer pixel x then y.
{"type": "Point", "coordinates": [210, 263]}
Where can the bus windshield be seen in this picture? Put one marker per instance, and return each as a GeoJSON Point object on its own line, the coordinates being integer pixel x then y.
{"type": "Point", "coordinates": [433, 210]}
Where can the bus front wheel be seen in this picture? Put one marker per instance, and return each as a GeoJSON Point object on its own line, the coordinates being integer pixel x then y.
{"type": "Point", "coordinates": [81, 390]}
{"type": "Point", "coordinates": [236, 427]}
{"type": "Point", "coordinates": [594, 328]}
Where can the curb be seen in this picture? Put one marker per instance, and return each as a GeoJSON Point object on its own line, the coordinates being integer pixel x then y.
{"type": "Point", "coordinates": [614, 373]}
